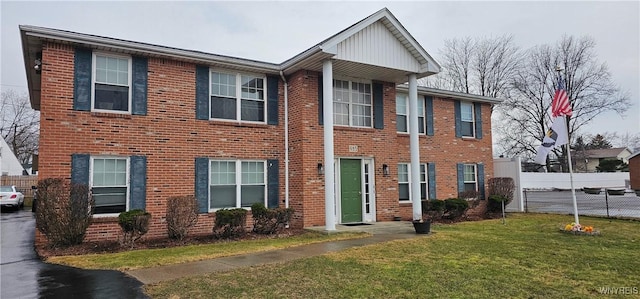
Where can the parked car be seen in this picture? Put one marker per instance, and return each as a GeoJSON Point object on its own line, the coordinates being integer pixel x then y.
{"type": "Point", "coordinates": [10, 197]}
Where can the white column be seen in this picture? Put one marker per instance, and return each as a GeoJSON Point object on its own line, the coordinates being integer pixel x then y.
{"type": "Point", "coordinates": [414, 147]}
{"type": "Point", "coordinates": [329, 169]}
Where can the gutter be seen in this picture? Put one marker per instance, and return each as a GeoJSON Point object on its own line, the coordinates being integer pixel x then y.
{"type": "Point", "coordinates": [286, 140]}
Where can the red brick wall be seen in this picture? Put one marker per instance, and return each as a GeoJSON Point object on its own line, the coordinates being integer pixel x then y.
{"type": "Point", "coordinates": [169, 135]}
{"type": "Point", "coordinates": [634, 172]}
{"type": "Point", "coordinates": [171, 138]}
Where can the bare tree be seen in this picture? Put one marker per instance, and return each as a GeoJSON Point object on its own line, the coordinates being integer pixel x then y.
{"type": "Point", "coordinates": [588, 84]}
{"type": "Point", "coordinates": [20, 125]}
{"type": "Point", "coordinates": [477, 66]}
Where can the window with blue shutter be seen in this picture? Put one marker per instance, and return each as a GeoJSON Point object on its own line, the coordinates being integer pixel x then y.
{"type": "Point", "coordinates": [468, 118]}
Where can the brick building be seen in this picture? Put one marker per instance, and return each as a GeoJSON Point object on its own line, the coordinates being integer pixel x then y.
{"type": "Point", "coordinates": [139, 123]}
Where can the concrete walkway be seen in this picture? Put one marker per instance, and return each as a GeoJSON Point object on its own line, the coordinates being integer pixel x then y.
{"type": "Point", "coordinates": [381, 232]}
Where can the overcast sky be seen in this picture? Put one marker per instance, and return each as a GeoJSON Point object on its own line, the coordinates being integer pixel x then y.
{"type": "Point", "coordinates": [275, 31]}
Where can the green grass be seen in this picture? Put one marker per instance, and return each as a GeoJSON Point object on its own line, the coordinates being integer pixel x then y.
{"type": "Point", "coordinates": [145, 258]}
{"type": "Point", "coordinates": [529, 257]}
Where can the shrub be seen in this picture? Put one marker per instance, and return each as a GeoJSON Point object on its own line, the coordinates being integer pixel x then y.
{"type": "Point", "coordinates": [455, 207]}
{"type": "Point", "coordinates": [268, 221]}
{"type": "Point", "coordinates": [134, 224]}
{"type": "Point", "coordinates": [500, 189]}
{"type": "Point", "coordinates": [230, 223]}
{"type": "Point", "coordinates": [182, 214]}
{"type": "Point", "coordinates": [64, 211]}
{"type": "Point", "coordinates": [433, 209]}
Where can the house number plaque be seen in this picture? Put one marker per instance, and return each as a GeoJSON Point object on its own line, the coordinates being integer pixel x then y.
{"type": "Point", "coordinates": [353, 148]}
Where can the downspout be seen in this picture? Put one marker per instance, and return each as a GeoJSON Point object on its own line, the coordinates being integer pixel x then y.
{"type": "Point", "coordinates": [286, 140]}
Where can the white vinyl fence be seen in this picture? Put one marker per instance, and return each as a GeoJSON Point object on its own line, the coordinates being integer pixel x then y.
{"type": "Point", "coordinates": [510, 167]}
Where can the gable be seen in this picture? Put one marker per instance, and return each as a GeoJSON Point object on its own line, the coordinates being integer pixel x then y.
{"type": "Point", "coordinates": [376, 45]}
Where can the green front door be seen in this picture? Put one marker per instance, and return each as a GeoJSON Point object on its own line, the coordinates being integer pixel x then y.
{"type": "Point", "coordinates": [350, 190]}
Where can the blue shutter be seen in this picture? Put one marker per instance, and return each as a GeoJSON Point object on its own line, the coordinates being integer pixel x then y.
{"type": "Point", "coordinates": [137, 182]}
{"type": "Point", "coordinates": [480, 169]}
{"type": "Point", "coordinates": [80, 169]}
{"type": "Point", "coordinates": [458, 116]}
{"type": "Point", "coordinates": [202, 92]}
{"type": "Point", "coordinates": [202, 184]}
{"type": "Point", "coordinates": [431, 176]}
{"type": "Point", "coordinates": [460, 177]}
{"type": "Point", "coordinates": [378, 106]}
{"type": "Point", "coordinates": [273, 184]}
{"type": "Point", "coordinates": [478, 116]}
{"type": "Point", "coordinates": [82, 80]}
{"type": "Point", "coordinates": [272, 100]}
{"type": "Point", "coordinates": [429, 114]}
{"type": "Point", "coordinates": [139, 82]}
{"type": "Point", "coordinates": [320, 102]}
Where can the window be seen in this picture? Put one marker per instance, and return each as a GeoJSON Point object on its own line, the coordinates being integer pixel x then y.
{"type": "Point", "coordinates": [404, 181]}
{"type": "Point", "coordinates": [235, 184]}
{"type": "Point", "coordinates": [237, 96]}
{"type": "Point", "coordinates": [467, 119]}
{"type": "Point", "coordinates": [109, 184]}
{"type": "Point", "coordinates": [352, 104]}
{"type": "Point", "coordinates": [112, 83]}
{"type": "Point", "coordinates": [470, 178]}
{"type": "Point", "coordinates": [402, 114]}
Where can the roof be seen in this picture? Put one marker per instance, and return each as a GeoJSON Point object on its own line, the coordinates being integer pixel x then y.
{"type": "Point", "coordinates": [447, 94]}
{"type": "Point", "coordinates": [604, 153]}
{"type": "Point", "coordinates": [636, 154]}
{"type": "Point", "coordinates": [381, 27]}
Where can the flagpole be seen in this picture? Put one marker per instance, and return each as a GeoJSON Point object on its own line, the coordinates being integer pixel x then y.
{"type": "Point", "coordinates": [573, 190]}
{"type": "Point", "coordinates": [568, 147]}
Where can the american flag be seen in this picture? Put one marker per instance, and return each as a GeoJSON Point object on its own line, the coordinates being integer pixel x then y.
{"type": "Point", "coordinates": [560, 105]}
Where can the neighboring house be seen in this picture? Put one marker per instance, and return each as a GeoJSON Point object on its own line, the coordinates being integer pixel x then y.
{"type": "Point", "coordinates": [140, 123]}
{"type": "Point", "coordinates": [634, 170]}
{"type": "Point", "coordinates": [9, 163]}
{"type": "Point", "coordinates": [588, 160]}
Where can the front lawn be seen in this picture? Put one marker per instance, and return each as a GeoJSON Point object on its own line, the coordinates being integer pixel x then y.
{"type": "Point", "coordinates": [526, 258]}
{"type": "Point", "coordinates": [144, 258]}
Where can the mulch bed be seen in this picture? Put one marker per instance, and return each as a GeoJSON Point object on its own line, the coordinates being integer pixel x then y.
{"type": "Point", "coordinates": [46, 251]}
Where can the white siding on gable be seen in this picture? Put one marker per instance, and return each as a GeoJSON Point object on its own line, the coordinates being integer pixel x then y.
{"type": "Point", "coordinates": [376, 45]}
{"type": "Point", "coordinates": [9, 164]}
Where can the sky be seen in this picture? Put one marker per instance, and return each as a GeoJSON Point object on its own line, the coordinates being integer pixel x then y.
{"type": "Point", "coordinates": [274, 31]}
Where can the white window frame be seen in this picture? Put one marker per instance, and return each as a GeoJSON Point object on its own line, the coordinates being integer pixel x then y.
{"type": "Point", "coordinates": [475, 175]}
{"type": "Point", "coordinates": [238, 183]}
{"type": "Point", "coordinates": [350, 103]}
{"type": "Point", "coordinates": [93, 81]}
{"type": "Point", "coordinates": [421, 103]}
{"type": "Point", "coordinates": [472, 121]}
{"type": "Point", "coordinates": [127, 180]}
{"type": "Point", "coordinates": [239, 97]}
{"type": "Point", "coordinates": [422, 181]}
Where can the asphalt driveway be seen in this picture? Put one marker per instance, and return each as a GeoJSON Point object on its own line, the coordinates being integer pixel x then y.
{"type": "Point", "coordinates": [23, 275]}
